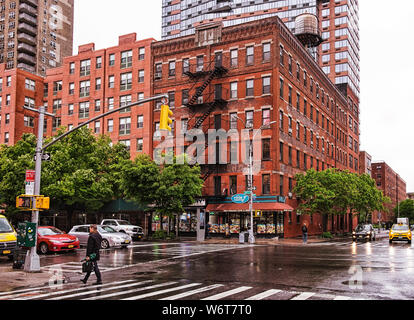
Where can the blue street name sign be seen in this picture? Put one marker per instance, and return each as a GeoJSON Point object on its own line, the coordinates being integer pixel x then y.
{"type": "Point", "coordinates": [240, 198]}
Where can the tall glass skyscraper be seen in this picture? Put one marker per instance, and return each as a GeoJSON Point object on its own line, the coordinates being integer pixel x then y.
{"type": "Point", "coordinates": [338, 21]}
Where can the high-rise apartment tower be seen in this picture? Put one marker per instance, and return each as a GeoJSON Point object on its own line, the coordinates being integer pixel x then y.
{"type": "Point", "coordinates": [35, 35]}
{"type": "Point", "coordinates": [338, 55]}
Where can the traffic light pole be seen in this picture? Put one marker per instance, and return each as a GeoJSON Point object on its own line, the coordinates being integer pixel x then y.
{"type": "Point", "coordinates": [32, 261]}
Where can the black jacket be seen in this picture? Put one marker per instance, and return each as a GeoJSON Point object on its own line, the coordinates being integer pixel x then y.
{"type": "Point", "coordinates": [94, 245]}
{"type": "Point", "coordinates": [304, 229]}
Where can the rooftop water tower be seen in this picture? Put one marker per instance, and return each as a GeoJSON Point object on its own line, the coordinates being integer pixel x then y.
{"type": "Point", "coordinates": [308, 33]}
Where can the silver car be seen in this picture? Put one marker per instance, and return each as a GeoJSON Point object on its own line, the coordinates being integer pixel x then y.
{"type": "Point", "coordinates": [110, 238]}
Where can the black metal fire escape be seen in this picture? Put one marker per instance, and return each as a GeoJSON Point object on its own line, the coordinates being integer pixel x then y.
{"type": "Point", "coordinates": [210, 101]}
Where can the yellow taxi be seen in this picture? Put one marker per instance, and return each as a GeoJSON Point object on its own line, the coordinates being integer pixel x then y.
{"type": "Point", "coordinates": [400, 232]}
{"type": "Point", "coordinates": [8, 238]}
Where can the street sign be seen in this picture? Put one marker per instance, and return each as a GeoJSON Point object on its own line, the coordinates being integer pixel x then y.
{"type": "Point", "coordinates": [30, 175]}
{"type": "Point", "coordinates": [240, 198]}
{"type": "Point", "coordinates": [45, 157]}
{"type": "Point", "coordinates": [30, 186]}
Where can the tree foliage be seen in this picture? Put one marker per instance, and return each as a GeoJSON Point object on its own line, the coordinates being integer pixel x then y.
{"type": "Point", "coordinates": [335, 192]}
{"type": "Point", "coordinates": [406, 209]}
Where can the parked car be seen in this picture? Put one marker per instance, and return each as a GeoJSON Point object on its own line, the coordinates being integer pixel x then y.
{"type": "Point", "coordinates": [125, 226]}
{"type": "Point", "coordinates": [400, 232]}
{"type": "Point", "coordinates": [54, 240]}
{"type": "Point", "coordinates": [8, 238]}
{"type": "Point", "coordinates": [110, 237]}
{"type": "Point", "coordinates": [364, 232]}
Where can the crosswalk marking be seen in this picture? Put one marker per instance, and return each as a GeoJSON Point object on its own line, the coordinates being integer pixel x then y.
{"type": "Point", "coordinates": [190, 293]}
{"type": "Point", "coordinates": [227, 293]}
{"type": "Point", "coordinates": [132, 291]}
{"type": "Point", "coordinates": [147, 295]}
{"type": "Point", "coordinates": [100, 290]}
{"type": "Point", "coordinates": [303, 296]}
{"type": "Point", "coordinates": [53, 293]}
{"type": "Point", "coordinates": [265, 294]}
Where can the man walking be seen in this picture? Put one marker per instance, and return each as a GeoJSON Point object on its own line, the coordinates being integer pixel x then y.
{"type": "Point", "coordinates": [305, 233]}
{"type": "Point", "coordinates": [92, 253]}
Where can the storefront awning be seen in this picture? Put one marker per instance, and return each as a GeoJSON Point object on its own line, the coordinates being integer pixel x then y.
{"type": "Point", "coordinates": [244, 207]}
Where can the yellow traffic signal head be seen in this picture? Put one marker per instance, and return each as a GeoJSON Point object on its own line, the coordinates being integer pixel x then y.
{"type": "Point", "coordinates": [165, 119]}
{"type": "Point", "coordinates": [24, 202]}
{"type": "Point", "coordinates": [42, 203]}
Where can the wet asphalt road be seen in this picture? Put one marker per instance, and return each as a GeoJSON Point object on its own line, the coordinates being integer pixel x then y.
{"type": "Point", "coordinates": [192, 271]}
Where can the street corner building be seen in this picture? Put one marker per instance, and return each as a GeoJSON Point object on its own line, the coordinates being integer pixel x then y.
{"type": "Point", "coordinates": [245, 76]}
{"type": "Point", "coordinates": [248, 76]}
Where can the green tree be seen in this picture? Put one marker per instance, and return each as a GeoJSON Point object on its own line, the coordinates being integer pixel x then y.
{"type": "Point", "coordinates": [169, 188]}
{"type": "Point", "coordinates": [406, 209]}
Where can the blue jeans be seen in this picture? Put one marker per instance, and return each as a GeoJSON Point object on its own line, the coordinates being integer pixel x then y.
{"type": "Point", "coordinates": [305, 237]}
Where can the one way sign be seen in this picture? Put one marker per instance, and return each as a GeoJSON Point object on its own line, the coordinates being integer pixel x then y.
{"type": "Point", "coordinates": [45, 157]}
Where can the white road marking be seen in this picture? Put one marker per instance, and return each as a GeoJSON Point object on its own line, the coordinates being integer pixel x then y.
{"type": "Point", "coordinates": [72, 290]}
{"type": "Point", "coordinates": [132, 291]}
{"type": "Point", "coordinates": [151, 294]}
{"type": "Point", "coordinates": [303, 296]}
{"type": "Point", "coordinates": [189, 293]}
{"type": "Point", "coordinates": [227, 293]}
{"type": "Point", "coordinates": [264, 294]}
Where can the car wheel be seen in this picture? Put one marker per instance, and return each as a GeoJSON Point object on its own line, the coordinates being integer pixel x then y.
{"type": "Point", "coordinates": [409, 241]}
{"type": "Point", "coordinates": [104, 244]}
{"type": "Point", "coordinates": [390, 241]}
{"type": "Point", "coordinates": [43, 248]}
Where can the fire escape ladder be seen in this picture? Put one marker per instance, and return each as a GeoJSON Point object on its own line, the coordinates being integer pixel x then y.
{"type": "Point", "coordinates": [203, 87]}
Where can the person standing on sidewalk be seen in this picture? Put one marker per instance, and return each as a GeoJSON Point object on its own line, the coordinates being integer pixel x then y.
{"type": "Point", "coordinates": [92, 253]}
{"type": "Point", "coordinates": [305, 233]}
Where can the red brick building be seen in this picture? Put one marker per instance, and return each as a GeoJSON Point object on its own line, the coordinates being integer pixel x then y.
{"type": "Point", "coordinates": [260, 73]}
{"type": "Point", "coordinates": [96, 81]}
{"type": "Point", "coordinates": [365, 160]}
{"type": "Point", "coordinates": [392, 186]}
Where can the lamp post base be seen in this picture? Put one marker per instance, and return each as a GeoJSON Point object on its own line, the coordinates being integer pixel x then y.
{"type": "Point", "coordinates": [251, 237]}
{"type": "Point", "coordinates": [32, 262]}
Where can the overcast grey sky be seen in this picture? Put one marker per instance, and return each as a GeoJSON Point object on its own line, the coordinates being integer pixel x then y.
{"type": "Point", "coordinates": [387, 113]}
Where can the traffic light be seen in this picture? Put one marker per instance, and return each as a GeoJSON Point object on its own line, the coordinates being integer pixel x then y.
{"type": "Point", "coordinates": [165, 119]}
{"type": "Point", "coordinates": [42, 203]}
{"type": "Point", "coordinates": [24, 202]}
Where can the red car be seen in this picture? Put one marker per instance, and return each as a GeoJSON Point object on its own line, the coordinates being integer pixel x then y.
{"type": "Point", "coordinates": [52, 239]}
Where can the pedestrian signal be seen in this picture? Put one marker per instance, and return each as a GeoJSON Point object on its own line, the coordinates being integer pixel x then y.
{"type": "Point", "coordinates": [24, 202]}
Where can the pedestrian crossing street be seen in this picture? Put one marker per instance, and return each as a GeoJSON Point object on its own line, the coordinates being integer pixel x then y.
{"type": "Point", "coordinates": [150, 289]}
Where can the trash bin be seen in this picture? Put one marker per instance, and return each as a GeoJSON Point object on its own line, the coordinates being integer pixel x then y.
{"type": "Point", "coordinates": [19, 258]}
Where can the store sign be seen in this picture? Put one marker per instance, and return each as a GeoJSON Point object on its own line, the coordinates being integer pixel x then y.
{"type": "Point", "coordinates": [240, 198]}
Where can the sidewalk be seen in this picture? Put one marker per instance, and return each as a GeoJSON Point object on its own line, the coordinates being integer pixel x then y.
{"type": "Point", "coordinates": [14, 279]}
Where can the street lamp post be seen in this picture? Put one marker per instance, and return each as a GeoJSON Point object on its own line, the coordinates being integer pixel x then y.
{"type": "Point", "coordinates": [251, 189]}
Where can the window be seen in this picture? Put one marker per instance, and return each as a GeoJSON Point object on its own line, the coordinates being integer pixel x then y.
{"type": "Point", "coordinates": [124, 126]}
{"type": "Point", "coordinates": [233, 90]}
{"type": "Point", "coordinates": [266, 85]}
{"type": "Point", "coordinates": [234, 58]}
{"type": "Point", "coordinates": [140, 121]}
{"type": "Point", "coordinates": [124, 101]}
{"type": "Point", "coordinates": [171, 69]}
{"type": "Point", "coordinates": [56, 123]}
{"type": "Point", "coordinates": [171, 99]}
{"type": "Point", "coordinates": [28, 121]}
{"type": "Point", "coordinates": [111, 82]}
{"type": "Point", "coordinates": [98, 62]}
{"type": "Point", "coordinates": [29, 102]}
{"type": "Point", "coordinates": [141, 76]}
{"type": "Point", "coordinates": [72, 68]}
{"type": "Point", "coordinates": [281, 151]}
{"type": "Point", "coordinates": [233, 185]}
{"type": "Point", "coordinates": [111, 59]}
{"type": "Point", "coordinates": [281, 55]}
{"type": "Point", "coordinates": [250, 88]}
{"type": "Point", "coordinates": [85, 68]}
{"type": "Point", "coordinates": [249, 119]}
{"type": "Point", "coordinates": [126, 81]}
{"type": "Point", "coordinates": [6, 137]}
{"type": "Point", "coordinates": [98, 84]}
{"type": "Point", "coordinates": [30, 84]}
{"type": "Point", "coordinates": [126, 143]}
{"type": "Point", "coordinates": [97, 127]}
{"type": "Point", "coordinates": [158, 71]}
{"type": "Point", "coordinates": [71, 109]}
{"type": "Point", "coordinates": [281, 88]}
{"type": "Point", "coordinates": [110, 125]}
{"type": "Point", "coordinates": [141, 53]}
{"type": "Point", "coordinates": [9, 79]}
{"type": "Point", "coordinates": [266, 184]}
{"type": "Point", "coordinates": [57, 104]}
{"type": "Point", "coordinates": [98, 105]}
{"type": "Point", "coordinates": [265, 117]}
{"type": "Point", "coordinates": [249, 55]}
{"type": "Point", "coordinates": [84, 89]}
{"type": "Point", "coordinates": [57, 86]}
{"type": "Point", "coordinates": [84, 110]}
{"type": "Point", "coordinates": [200, 63]}
{"type": "Point", "coordinates": [266, 149]}
{"type": "Point", "coordinates": [140, 145]}
{"type": "Point", "coordinates": [186, 65]}
{"type": "Point", "coordinates": [110, 103]}
{"type": "Point", "coordinates": [290, 64]}
{"type": "Point", "coordinates": [184, 96]}
{"type": "Point", "coordinates": [266, 52]}
{"type": "Point", "coordinates": [281, 186]}
{"type": "Point", "coordinates": [233, 120]}
{"type": "Point", "coordinates": [8, 100]}
{"type": "Point", "coordinates": [126, 59]}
